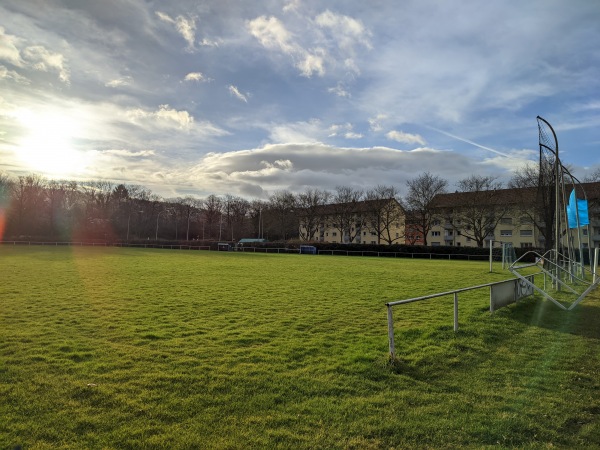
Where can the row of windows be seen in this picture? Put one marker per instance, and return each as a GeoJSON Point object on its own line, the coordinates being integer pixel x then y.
{"type": "Point", "coordinates": [503, 221]}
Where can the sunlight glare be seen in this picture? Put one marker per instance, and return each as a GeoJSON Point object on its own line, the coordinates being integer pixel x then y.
{"type": "Point", "coordinates": [48, 146]}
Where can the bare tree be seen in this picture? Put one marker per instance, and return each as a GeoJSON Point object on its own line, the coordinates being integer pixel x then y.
{"type": "Point", "coordinates": [212, 208]}
{"type": "Point", "coordinates": [282, 206]}
{"type": "Point", "coordinates": [537, 184]}
{"type": "Point", "coordinates": [256, 213]}
{"type": "Point", "coordinates": [309, 203]}
{"type": "Point", "coordinates": [383, 211]}
{"type": "Point", "coordinates": [28, 200]}
{"type": "Point", "coordinates": [421, 191]}
{"type": "Point", "coordinates": [482, 209]}
{"type": "Point", "coordinates": [344, 216]}
{"type": "Point", "coordinates": [593, 176]}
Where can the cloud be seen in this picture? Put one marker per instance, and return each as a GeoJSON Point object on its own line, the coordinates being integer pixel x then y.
{"type": "Point", "coordinates": [273, 35]}
{"type": "Point", "coordinates": [45, 61]}
{"type": "Point", "coordinates": [196, 76]}
{"type": "Point", "coordinates": [329, 42]}
{"type": "Point", "coordinates": [167, 118]}
{"type": "Point", "coordinates": [36, 57]}
{"type": "Point", "coordinates": [375, 122]}
{"type": "Point", "coordinates": [353, 135]}
{"type": "Point", "coordinates": [131, 154]}
{"type": "Point", "coordinates": [298, 166]}
{"type": "Point", "coordinates": [233, 90]}
{"type": "Point", "coordinates": [347, 31]}
{"type": "Point", "coordinates": [9, 50]}
{"type": "Point", "coordinates": [339, 90]}
{"type": "Point", "coordinates": [185, 26]}
{"type": "Point", "coordinates": [7, 74]}
{"type": "Point", "coordinates": [345, 130]}
{"type": "Point", "coordinates": [119, 82]}
{"type": "Point", "coordinates": [163, 116]}
{"type": "Point", "coordinates": [405, 138]}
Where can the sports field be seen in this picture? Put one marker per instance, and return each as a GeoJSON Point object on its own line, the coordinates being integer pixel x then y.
{"type": "Point", "coordinates": [107, 348]}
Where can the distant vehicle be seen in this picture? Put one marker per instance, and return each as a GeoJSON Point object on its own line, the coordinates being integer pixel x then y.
{"type": "Point", "coordinates": [251, 241]}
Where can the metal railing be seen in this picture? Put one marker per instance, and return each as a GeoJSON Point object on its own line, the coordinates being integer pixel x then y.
{"type": "Point", "coordinates": [389, 305]}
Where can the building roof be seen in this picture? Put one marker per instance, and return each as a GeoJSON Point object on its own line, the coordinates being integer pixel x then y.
{"type": "Point", "coordinates": [504, 196]}
{"type": "Point", "coordinates": [362, 206]}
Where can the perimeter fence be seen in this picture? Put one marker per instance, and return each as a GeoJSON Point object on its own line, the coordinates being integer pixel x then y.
{"type": "Point", "coordinates": [280, 250]}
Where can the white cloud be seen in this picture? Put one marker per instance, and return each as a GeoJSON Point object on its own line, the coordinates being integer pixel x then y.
{"type": "Point", "coordinates": [164, 116]}
{"type": "Point", "coordinates": [36, 57]}
{"type": "Point", "coordinates": [131, 154]}
{"type": "Point", "coordinates": [45, 61]}
{"type": "Point", "coordinates": [273, 35]}
{"type": "Point", "coordinates": [375, 123]}
{"type": "Point", "coordinates": [196, 76]}
{"type": "Point", "coordinates": [347, 31]}
{"type": "Point", "coordinates": [353, 135]}
{"type": "Point", "coordinates": [297, 166]}
{"type": "Point", "coordinates": [339, 90]}
{"type": "Point", "coordinates": [292, 6]}
{"type": "Point", "coordinates": [7, 74]}
{"type": "Point", "coordinates": [295, 132]}
{"type": "Point", "coordinates": [185, 26]}
{"type": "Point", "coordinates": [120, 82]}
{"type": "Point", "coordinates": [9, 50]}
{"type": "Point", "coordinates": [405, 138]}
{"type": "Point", "coordinates": [205, 42]}
{"type": "Point", "coordinates": [233, 90]}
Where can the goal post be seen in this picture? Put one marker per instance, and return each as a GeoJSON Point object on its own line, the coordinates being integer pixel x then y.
{"type": "Point", "coordinates": [503, 252]}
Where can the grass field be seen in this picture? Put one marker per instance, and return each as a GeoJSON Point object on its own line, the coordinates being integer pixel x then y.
{"type": "Point", "coordinates": [130, 348]}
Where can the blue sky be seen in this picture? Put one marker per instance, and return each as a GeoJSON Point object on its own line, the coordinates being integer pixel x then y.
{"type": "Point", "coordinates": [246, 98]}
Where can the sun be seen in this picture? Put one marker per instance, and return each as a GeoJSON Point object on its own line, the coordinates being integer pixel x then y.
{"type": "Point", "coordinates": [48, 145]}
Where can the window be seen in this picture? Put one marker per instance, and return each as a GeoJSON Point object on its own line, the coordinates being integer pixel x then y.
{"type": "Point", "coordinates": [506, 221]}
{"type": "Point", "coordinates": [373, 242]}
{"type": "Point", "coordinates": [435, 223]}
{"type": "Point", "coordinates": [505, 232]}
{"type": "Point", "coordinates": [373, 233]}
{"type": "Point", "coordinates": [525, 220]}
{"type": "Point", "coordinates": [334, 233]}
{"type": "Point", "coordinates": [364, 233]}
{"type": "Point", "coordinates": [585, 232]}
{"type": "Point", "coordinates": [448, 233]}
{"type": "Point", "coordinates": [526, 233]}
{"type": "Point", "coordinates": [435, 233]}
{"type": "Point", "coordinates": [526, 245]}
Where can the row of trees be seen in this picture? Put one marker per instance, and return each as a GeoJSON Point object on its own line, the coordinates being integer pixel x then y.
{"type": "Point", "coordinates": [34, 207]}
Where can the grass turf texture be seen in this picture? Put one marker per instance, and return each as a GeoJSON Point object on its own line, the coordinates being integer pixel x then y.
{"type": "Point", "coordinates": [130, 348]}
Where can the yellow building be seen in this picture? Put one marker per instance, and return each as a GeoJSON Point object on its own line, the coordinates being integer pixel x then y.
{"type": "Point", "coordinates": [362, 222]}
{"type": "Point", "coordinates": [507, 215]}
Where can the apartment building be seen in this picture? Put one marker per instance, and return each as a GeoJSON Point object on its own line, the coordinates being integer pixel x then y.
{"type": "Point", "coordinates": [507, 215]}
{"type": "Point", "coordinates": [362, 222]}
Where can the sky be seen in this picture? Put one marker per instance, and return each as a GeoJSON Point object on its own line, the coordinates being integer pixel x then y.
{"type": "Point", "coordinates": [249, 98]}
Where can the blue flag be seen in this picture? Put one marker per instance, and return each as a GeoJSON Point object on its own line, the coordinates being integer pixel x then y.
{"type": "Point", "coordinates": [577, 207]}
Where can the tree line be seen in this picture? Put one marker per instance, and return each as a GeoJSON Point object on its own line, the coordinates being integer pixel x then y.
{"type": "Point", "coordinates": [33, 207]}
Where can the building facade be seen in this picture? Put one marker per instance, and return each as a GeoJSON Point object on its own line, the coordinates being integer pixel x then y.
{"type": "Point", "coordinates": [505, 215]}
{"type": "Point", "coordinates": [362, 222]}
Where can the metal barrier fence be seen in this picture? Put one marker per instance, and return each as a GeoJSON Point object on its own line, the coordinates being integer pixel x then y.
{"type": "Point", "coordinates": [366, 253]}
{"type": "Point", "coordinates": [454, 293]}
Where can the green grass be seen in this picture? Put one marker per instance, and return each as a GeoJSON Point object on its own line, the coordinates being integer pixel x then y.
{"type": "Point", "coordinates": [131, 348]}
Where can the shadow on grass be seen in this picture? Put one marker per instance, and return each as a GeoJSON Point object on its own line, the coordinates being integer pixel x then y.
{"type": "Point", "coordinates": [581, 321]}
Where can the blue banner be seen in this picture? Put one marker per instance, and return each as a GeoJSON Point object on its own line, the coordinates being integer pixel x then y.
{"type": "Point", "coordinates": [577, 207]}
